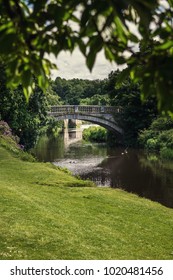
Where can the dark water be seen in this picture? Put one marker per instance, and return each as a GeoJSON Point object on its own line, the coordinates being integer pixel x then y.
{"type": "Point", "coordinates": [134, 171]}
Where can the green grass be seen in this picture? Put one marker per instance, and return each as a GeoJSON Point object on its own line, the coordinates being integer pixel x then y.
{"type": "Point", "coordinates": [48, 214]}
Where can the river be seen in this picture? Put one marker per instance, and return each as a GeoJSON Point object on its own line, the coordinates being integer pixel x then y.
{"type": "Point", "coordinates": [131, 170]}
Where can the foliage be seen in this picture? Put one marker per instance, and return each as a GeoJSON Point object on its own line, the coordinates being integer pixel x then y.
{"type": "Point", "coordinates": [95, 134]}
{"type": "Point", "coordinates": [53, 127]}
{"type": "Point", "coordinates": [25, 119]}
{"type": "Point", "coordinates": [166, 138]}
{"type": "Point", "coordinates": [135, 115]}
{"type": "Point", "coordinates": [147, 138]}
{"type": "Point", "coordinates": [78, 91]}
{"type": "Point", "coordinates": [96, 100]}
{"type": "Point", "coordinates": [161, 124]}
{"type": "Point", "coordinates": [152, 144]}
{"type": "Point", "coordinates": [52, 97]}
{"type": "Point", "coordinates": [159, 137]}
{"type": "Point", "coordinates": [159, 130]}
{"type": "Point", "coordinates": [32, 29]}
{"type": "Point", "coordinates": [166, 153]}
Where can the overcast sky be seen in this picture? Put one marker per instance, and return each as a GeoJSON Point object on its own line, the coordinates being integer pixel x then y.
{"type": "Point", "coordinates": [73, 66]}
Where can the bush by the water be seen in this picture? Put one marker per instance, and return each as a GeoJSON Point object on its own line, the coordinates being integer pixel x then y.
{"type": "Point", "coordinates": [159, 137]}
{"type": "Point", "coordinates": [95, 134]}
{"type": "Point", "coordinates": [166, 153]}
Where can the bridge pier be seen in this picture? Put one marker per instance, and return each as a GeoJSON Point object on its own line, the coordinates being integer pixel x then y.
{"type": "Point", "coordinates": [66, 123]}
{"type": "Point", "coordinates": [72, 123]}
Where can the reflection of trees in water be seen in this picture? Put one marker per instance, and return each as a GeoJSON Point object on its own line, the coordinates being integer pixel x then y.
{"type": "Point", "coordinates": [99, 179]}
{"type": "Point", "coordinates": [100, 176]}
{"type": "Point", "coordinates": [160, 169]}
{"type": "Point", "coordinates": [49, 148]}
{"type": "Point", "coordinates": [83, 149]}
{"type": "Point", "coordinates": [135, 173]}
{"type": "Point", "coordinates": [113, 166]}
{"type": "Point", "coordinates": [163, 174]}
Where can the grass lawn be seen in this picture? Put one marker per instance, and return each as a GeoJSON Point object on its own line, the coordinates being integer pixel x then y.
{"type": "Point", "coordinates": [48, 214]}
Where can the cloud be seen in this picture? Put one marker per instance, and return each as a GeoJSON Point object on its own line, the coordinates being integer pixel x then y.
{"type": "Point", "coordinates": [73, 66]}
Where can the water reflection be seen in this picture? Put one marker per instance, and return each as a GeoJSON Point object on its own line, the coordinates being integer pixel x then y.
{"type": "Point", "coordinates": [134, 172]}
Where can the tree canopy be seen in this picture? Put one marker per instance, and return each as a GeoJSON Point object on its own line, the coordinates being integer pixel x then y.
{"type": "Point", "coordinates": [25, 119]}
{"type": "Point", "coordinates": [137, 33]}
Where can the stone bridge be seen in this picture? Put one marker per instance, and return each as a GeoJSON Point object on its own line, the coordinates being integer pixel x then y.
{"type": "Point", "coordinates": [102, 115]}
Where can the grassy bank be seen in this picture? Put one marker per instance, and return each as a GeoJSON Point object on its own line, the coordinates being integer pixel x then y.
{"type": "Point", "coordinates": [48, 214]}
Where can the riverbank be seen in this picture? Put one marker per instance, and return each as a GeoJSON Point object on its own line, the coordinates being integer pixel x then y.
{"type": "Point", "coordinates": [48, 214]}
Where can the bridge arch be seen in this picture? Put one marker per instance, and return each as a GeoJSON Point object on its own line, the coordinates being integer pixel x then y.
{"type": "Point", "coordinates": [102, 122]}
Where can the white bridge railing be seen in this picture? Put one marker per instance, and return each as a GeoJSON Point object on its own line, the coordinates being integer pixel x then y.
{"type": "Point", "coordinates": [74, 109]}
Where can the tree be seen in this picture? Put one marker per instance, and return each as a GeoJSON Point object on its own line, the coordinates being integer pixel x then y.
{"type": "Point", "coordinates": [78, 91]}
{"type": "Point", "coordinates": [25, 119]}
{"type": "Point", "coordinates": [158, 137]}
{"type": "Point", "coordinates": [136, 115]}
{"type": "Point", "coordinates": [31, 29]}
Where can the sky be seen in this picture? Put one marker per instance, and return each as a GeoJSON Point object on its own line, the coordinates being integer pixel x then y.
{"type": "Point", "coordinates": [73, 66]}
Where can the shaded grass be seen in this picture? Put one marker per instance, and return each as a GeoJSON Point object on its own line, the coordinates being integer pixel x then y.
{"type": "Point", "coordinates": [48, 214]}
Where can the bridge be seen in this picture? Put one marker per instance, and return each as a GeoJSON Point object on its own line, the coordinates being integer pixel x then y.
{"type": "Point", "coordinates": [102, 115]}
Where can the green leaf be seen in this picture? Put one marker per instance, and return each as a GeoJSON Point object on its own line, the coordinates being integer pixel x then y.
{"type": "Point", "coordinates": [85, 17]}
{"type": "Point", "coordinates": [109, 55]}
{"type": "Point", "coordinates": [123, 75]}
{"type": "Point", "coordinates": [91, 59]}
{"type": "Point", "coordinates": [95, 43]}
{"type": "Point", "coordinates": [170, 2]}
{"type": "Point", "coordinates": [43, 80]}
{"type": "Point", "coordinates": [7, 26]}
{"type": "Point", "coordinates": [121, 30]}
{"type": "Point", "coordinates": [82, 46]}
{"type": "Point", "coordinates": [165, 46]}
{"type": "Point", "coordinates": [7, 43]}
{"type": "Point", "coordinates": [133, 38]}
{"type": "Point", "coordinates": [26, 78]}
{"type": "Point", "coordinates": [27, 92]}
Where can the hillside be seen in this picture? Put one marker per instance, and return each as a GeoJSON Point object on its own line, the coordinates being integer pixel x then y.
{"type": "Point", "coordinates": [48, 214]}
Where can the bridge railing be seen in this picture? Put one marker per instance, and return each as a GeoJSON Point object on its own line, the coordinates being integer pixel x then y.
{"type": "Point", "coordinates": [74, 109]}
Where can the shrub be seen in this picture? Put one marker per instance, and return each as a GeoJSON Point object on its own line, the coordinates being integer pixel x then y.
{"type": "Point", "coordinates": [53, 127]}
{"type": "Point", "coordinates": [152, 144]}
{"type": "Point", "coordinates": [166, 153]}
{"type": "Point", "coordinates": [159, 137]}
{"type": "Point", "coordinates": [146, 135]}
{"type": "Point", "coordinates": [161, 124]}
{"type": "Point", "coordinates": [95, 134]}
{"type": "Point", "coordinates": [165, 139]}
